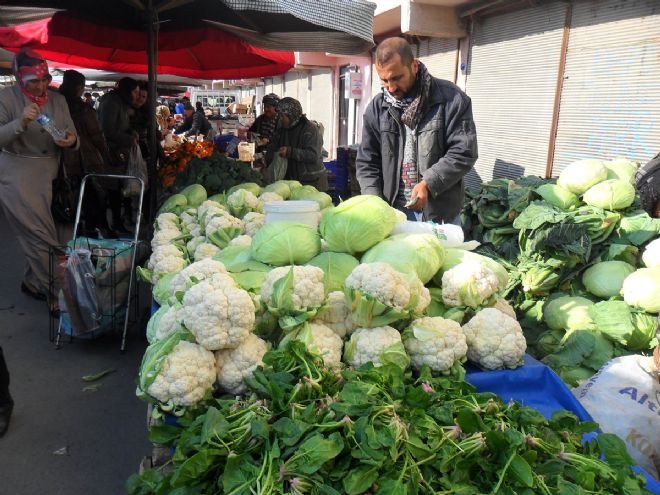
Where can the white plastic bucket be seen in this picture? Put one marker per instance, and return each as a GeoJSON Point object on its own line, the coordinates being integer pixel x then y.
{"type": "Point", "coordinates": [307, 212]}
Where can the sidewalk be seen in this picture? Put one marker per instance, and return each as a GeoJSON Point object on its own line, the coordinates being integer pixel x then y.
{"type": "Point", "coordinates": [100, 437]}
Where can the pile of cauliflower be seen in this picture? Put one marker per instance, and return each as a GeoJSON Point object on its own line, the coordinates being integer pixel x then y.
{"type": "Point", "coordinates": [214, 325]}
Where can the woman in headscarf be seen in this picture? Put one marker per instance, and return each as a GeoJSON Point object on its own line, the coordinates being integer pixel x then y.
{"type": "Point", "coordinates": [91, 158]}
{"type": "Point", "coordinates": [29, 161]}
{"type": "Point", "coordinates": [300, 142]}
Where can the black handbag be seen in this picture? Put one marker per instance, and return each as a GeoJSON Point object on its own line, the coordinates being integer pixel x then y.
{"type": "Point", "coordinates": [65, 197]}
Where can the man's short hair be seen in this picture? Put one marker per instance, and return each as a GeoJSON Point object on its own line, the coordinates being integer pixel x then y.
{"type": "Point", "coordinates": [87, 95]}
{"type": "Point", "coordinates": [390, 47]}
{"type": "Point", "coordinates": [188, 106]}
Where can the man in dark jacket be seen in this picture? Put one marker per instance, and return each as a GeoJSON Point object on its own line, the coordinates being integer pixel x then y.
{"type": "Point", "coordinates": [300, 142]}
{"type": "Point", "coordinates": [195, 122]}
{"type": "Point", "coordinates": [418, 140]}
{"type": "Point", "coordinates": [266, 124]}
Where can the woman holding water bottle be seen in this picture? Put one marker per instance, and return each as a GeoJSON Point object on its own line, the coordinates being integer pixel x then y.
{"type": "Point", "coordinates": [29, 160]}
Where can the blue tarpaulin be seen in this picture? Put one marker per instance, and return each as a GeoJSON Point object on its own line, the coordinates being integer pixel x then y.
{"type": "Point", "coordinates": [535, 385]}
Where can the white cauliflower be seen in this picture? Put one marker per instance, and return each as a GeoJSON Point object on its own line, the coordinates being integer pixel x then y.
{"type": "Point", "coordinates": [468, 284]}
{"type": "Point", "coordinates": [164, 237]}
{"type": "Point", "coordinates": [420, 295]}
{"type": "Point", "coordinates": [436, 342]}
{"type": "Point", "coordinates": [210, 208]}
{"type": "Point", "coordinates": [234, 365]}
{"type": "Point", "coordinates": [382, 282]}
{"type": "Point", "coordinates": [205, 250]}
{"type": "Point", "coordinates": [322, 340]}
{"type": "Point", "coordinates": [494, 340]}
{"type": "Point", "coordinates": [219, 317]}
{"type": "Point", "coordinates": [192, 244]}
{"type": "Point", "coordinates": [165, 259]}
{"type": "Point", "coordinates": [188, 217]}
{"type": "Point", "coordinates": [367, 344]}
{"type": "Point", "coordinates": [169, 322]}
{"type": "Point", "coordinates": [195, 230]}
{"type": "Point", "coordinates": [253, 222]}
{"type": "Point", "coordinates": [242, 201]}
{"type": "Point", "coordinates": [241, 240]}
{"type": "Point", "coordinates": [308, 288]}
{"type": "Point", "coordinates": [188, 373]}
{"type": "Point", "coordinates": [166, 221]}
{"type": "Point", "coordinates": [336, 314]}
{"type": "Point", "coordinates": [196, 272]}
{"type": "Point", "coordinates": [504, 307]}
{"type": "Point", "coordinates": [269, 197]}
{"type": "Point", "coordinates": [221, 229]}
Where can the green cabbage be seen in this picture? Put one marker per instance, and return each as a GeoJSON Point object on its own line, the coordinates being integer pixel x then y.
{"type": "Point", "coordinates": [250, 280]}
{"type": "Point", "coordinates": [253, 187]}
{"type": "Point", "coordinates": [610, 195]}
{"type": "Point", "coordinates": [568, 313]}
{"type": "Point", "coordinates": [581, 175]}
{"type": "Point", "coordinates": [620, 323]}
{"type": "Point", "coordinates": [605, 279]}
{"type": "Point", "coordinates": [336, 267]}
{"type": "Point", "coordinates": [455, 256]}
{"type": "Point", "coordinates": [279, 187]}
{"type": "Point", "coordinates": [195, 194]}
{"type": "Point", "coordinates": [622, 169]}
{"type": "Point", "coordinates": [173, 204]}
{"type": "Point", "coordinates": [358, 224]}
{"type": "Point", "coordinates": [238, 259]}
{"type": "Point", "coordinates": [285, 243]}
{"type": "Point", "coordinates": [641, 289]}
{"type": "Point", "coordinates": [161, 291]}
{"type": "Point", "coordinates": [651, 254]}
{"type": "Point", "coordinates": [310, 193]}
{"type": "Point", "coordinates": [419, 253]}
{"type": "Point", "coordinates": [558, 196]}
{"type": "Point", "coordinates": [221, 199]}
{"type": "Point", "coordinates": [293, 184]}
{"type": "Point", "coordinates": [637, 227]}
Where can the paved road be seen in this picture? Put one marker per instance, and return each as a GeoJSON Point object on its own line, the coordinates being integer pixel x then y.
{"type": "Point", "coordinates": [102, 434]}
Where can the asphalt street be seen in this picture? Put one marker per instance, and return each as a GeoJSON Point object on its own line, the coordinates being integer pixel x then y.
{"type": "Point", "coordinates": [63, 440]}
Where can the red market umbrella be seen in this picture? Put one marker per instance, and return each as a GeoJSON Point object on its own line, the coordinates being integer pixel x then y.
{"type": "Point", "coordinates": [198, 52]}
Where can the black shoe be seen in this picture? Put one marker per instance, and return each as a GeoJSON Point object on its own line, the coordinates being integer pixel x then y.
{"type": "Point", "coordinates": [5, 416]}
{"type": "Point", "coordinates": [33, 294]}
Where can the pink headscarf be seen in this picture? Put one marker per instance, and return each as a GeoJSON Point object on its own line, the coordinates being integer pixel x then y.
{"type": "Point", "coordinates": [29, 65]}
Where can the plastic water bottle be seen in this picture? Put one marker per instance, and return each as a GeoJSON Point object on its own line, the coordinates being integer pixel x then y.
{"type": "Point", "coordinates": [48, 124]}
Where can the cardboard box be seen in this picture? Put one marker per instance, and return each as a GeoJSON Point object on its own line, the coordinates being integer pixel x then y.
{"type": "Point", "coordinates": [237, 108]}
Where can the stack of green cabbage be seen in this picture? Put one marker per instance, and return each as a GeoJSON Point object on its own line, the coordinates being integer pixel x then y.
{"type": "Point", "coordinates": [229, 284]}
{"type": "Point", "coordinates": [584, 266]}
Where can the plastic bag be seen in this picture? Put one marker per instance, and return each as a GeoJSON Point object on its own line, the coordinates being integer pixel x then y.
{"type": "Point", "coordinates": [137, 167]}
{"type": "Point", "coordinates": [624, 398]}
{"type": "Point", "coordinates": [450, 235]}
{"type": "Point", "coordinates": [276, 170]}
{"type": "Point", "coordinates": [78, 294]}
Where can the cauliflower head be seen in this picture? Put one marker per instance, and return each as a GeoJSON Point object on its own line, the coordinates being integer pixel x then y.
{"type": "Point", "coordinates": [164, 237]}
{"type": "Point", "coordinates": [253, 222]}
{"type": "Point", "coordinates": [165, 259]}
{"type": "Point", "coordinates": [187, 374]}
{"type": "Point", "coordinates": [494, 340]}
{"type": "Point", "coordinates": [369, 344]}
{"type": "Point", "coordinates": [308, 290]}
{"type": "Point", "coordinates": [318, 339]}
{"type": "Point", "coordinates": [196, 272]}
{"type": "Point", "coordinates": [241, 240]}
{"type": "Point", "coordinates": [468, 284]}
{"type": "Point", "coordinates": [166, 221]}
{"type": "Point", "coordinates": [336, 314]}
{"type": "Point", "coordinates": [242, 201]}
{"type": "Point", "coordinates": [188, 217]}
{"type": "Point", "coordinates": [205, 250]}
{"type": "Point", "coordinates": [164, 323]}
{"type": "Point", "coordinates": [221, 229]}
{"type": "Point", "coordinates": [210, 208]}
{"type": "Point", "coordinates": [234, 365]}
{"type": "Point", "coordinates": [220, 317]}
{"type": "Point", "coordinates": [435, 342]}
{"type": "Point", "coordinates": [504, 307]}
{"type": "Point", "coordinates": [382, 282]}
{"type": "Point", "coordinates": [192, 244]}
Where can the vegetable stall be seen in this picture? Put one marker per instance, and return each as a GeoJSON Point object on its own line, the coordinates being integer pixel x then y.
{"type": "Point", "coordinates": [352, 358]}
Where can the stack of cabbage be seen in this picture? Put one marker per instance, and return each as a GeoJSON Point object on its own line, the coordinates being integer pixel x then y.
{"type": "Point", "coordinates": [584, 263]}
{"type": "Point", "coordinates": [230, 285]}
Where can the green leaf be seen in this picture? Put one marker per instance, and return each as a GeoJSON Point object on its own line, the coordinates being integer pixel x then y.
{"type": "Point", "coordinates": [290, 431]}
{"type": "Point", "coordinates": [521, 471]}
{"type": "Point", "coordinates": [469, 421]}
{"type": "Point", "coordinates": [239, 475]}
{"type": "Point", "coordinates": [391, 487]}
{"type": "Point", "coordinates": [215, 425]}
{"type": "Point", "coordinates": [314, 452]}
{"type": "Point", "coordinates": [193, 468]}
{"type": "Point", "coordinates": [614, 450]}
{"type": "Point", "coordinates": [98, 376]}
{"type": "Point", "coordinates": [360, 479]}
{"type": "Point", "coordinates": [164, 434]}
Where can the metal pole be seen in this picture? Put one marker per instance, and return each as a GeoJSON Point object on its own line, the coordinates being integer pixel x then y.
{"type": "Point", "coordinates": [152, 51]}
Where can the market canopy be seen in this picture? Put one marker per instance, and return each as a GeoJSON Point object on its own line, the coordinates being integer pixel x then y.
{"type": "Point", "coordinates": [346, 25]}
{"type": "Point", "coordinates": [200, 53]}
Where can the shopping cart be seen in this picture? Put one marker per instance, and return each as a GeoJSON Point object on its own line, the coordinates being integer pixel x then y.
{"type": "Point", "coordinates": [109, 273]}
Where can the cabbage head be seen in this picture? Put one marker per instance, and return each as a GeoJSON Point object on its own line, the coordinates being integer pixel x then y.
{"type": "Point", "coordinates": [238, 259]}
{"type": "Point", "coordinates": [651, 254]}
{"type": "Point", "coordinates": [558, 196]}
{"type": "Point", "coordinates": [581, 175]}
{"type": "Point", "coordinates": [422, 254]}
{"type": "Point", "coordinates": [310, 193]}
{"type": "Point", "coordinates": [174, 203]}
{"type": "Point", "coordinates": [605, 279]}
{"type": "Point", "coordinates": [253, 187]}
{"type": "Point", "coordinates": [195, 194]}
{"type": "Point", "coordinates": [293, 184]}
{"type": "Point", "coordinates": [455, 256]}
{"type": "Point", "coordinates": [285, 243]}
{"type": "Point", "coordinates": [610, 195]}
{"type": "Point", "coordinates": [641, 289]}
{"type": "Point", "coordinates": [620, 323]}
{"type": "Point", "coordinates": [336, 267]}
{"type": "Point", "coordinates": [622, 169]}
{"type": "Point", "coordinates": [568, 313]}
{"type": "Point", "coordinates": [358, 223]}
{"type": "Point", "coordinates": [279, 187]}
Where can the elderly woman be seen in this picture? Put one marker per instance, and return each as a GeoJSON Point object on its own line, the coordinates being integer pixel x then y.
{"type": "Point", "coordinates": [29, 162]}
{"type": "Point", "coordinates": [300, 141]}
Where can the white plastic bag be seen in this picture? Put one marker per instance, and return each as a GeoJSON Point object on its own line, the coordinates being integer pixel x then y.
{"type": "Point", "coordinates": [137, 167]}
{"type": "Point", "coordinates": [78, 295]}
{"type": "Point", "coordinates": [450, 235]}
{"type": "Point", "coordinates": [624, 398]}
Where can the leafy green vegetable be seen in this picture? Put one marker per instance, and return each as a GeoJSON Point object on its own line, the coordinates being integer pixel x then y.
{"type": "Point", "coordinates": [98, 376]}
{"type": "Point", "coordinates": [336, 267]}
{"type": "Point", "coordinates": [195, 194]}
{"type": "Point", "coordinates": [611, 195]}
{"type": "Point", "coordinates": [605, 279]}
{"type": "Point", "coordinates": [285, 243]}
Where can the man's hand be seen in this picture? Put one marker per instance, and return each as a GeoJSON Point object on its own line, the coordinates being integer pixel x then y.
{"type": "Point", "coordinates": [68, 141]}
{"type": "Point", "coordinates": [30, 114]}
{"type": "Point", "coordinates": [282, 152]}
{"type": "Point", "coordinates": [264, 142]}
{"type": "Point", "coordinates": [421, 193]}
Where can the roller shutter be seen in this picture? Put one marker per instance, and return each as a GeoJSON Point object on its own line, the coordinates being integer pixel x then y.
{"type": "Point", "coordinates": [440, 56]}
{"type": "Point", "coordinates": [321, 108]}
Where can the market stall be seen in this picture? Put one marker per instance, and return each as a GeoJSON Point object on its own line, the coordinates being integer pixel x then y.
{"type": "Point", "coordinates": [269, 310]}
